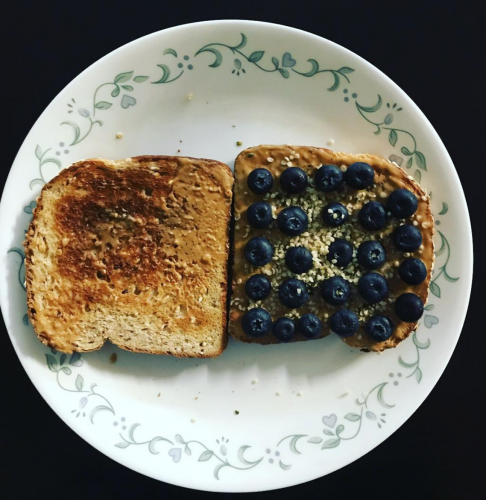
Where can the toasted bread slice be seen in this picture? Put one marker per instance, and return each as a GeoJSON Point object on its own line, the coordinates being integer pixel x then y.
{"type": "Point", "coordinates": [388, 177]}
{"type": "Point", "coordinates": [133, 251]}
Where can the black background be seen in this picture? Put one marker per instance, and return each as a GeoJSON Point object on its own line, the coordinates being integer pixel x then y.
{"type": "Point", "coordinates": [432, 50]}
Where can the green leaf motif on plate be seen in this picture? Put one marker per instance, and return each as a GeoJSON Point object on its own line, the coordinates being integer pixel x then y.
{"type": "Point", "coordinates": [405, 364]}
{"type": "Point", "coordinates": [140, 79]}
{"type": "Point", "coordinates": [242, 459]}
{"type": "Point", "coordinates": [123, 77]}
{"type": "Point", "coordinates": [331, 443]}
{"type": "Point", "coordinates": [76, 359]}
{"type": "Point", "coordinates": [445, 208]}
{"type": "Point", "coordinates": [313, 70]}
{"type": "Point", "coordinates": [256, 56]}
{"type": "Point", "coordinates": [392, 137]}
{"type": "Point", "coordinates": [205, 456]}
{"type": "Point", "coordinates": [152, 444]}
{"type": "Point", "coordinates": [52, 362]}
{"type": "Point", "coordinates": [79, 382]}
{"type": "Point", "coordinates": [420, 345]}
{"type": "Point", "coordinates": [339, 429]}
{"type": "Point", "coordinates": [172, 52]}
{"type": "Point", "coordinates": [353, 417]}
{"type": "Point", "coordinates": [371, 109]}
{"type": "Point", "coordinates": [420, 159]}
{"type": "Point", "coordinates": [103, 105]}
{"type": "Point", "coordinates": [381, 398]}
{"type": "Point", "coordinates": [166, 73]}
{"type": "Point", "coordinates": [218, 58]}
{"type": "Point", "coordinates": [218, 468]}
{"type": "Point", "coordinates": [336, 83]}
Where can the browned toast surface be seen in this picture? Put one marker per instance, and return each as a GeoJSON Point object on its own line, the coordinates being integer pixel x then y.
{"type": "Point", "coordinates": [134, 251]}
{"type": "Point", "coordinates": [388, 177]}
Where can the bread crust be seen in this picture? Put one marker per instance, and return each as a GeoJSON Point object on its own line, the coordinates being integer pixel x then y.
{"type": "Point", "coordinates": [113, 243]}
{"type": "Point", "coordinates": [388, 176]}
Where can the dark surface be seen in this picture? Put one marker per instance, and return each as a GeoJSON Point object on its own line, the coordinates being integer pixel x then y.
{"type": "Point", "coordinates": [432, 50]}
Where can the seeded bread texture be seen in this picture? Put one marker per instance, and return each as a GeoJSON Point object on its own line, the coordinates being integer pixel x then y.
{"type": "Point", "coordinates": [318, 237]}
{"type": "Point", "coordinates": [133, 251]}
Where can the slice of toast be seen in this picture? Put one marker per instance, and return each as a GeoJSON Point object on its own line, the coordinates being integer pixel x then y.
{"type": "Point", "coordinates": [388, 177]}
{"type": "Point", "coordinates": [133, 251]}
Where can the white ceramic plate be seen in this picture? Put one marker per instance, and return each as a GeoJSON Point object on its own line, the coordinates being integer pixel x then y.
{"type": "Point", "coordinates": [197, 90]}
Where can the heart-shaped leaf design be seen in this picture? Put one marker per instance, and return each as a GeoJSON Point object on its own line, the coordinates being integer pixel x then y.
{"type": "Point", "coordinates": [287, 61]}
{"type": "Point", "coordinates": [329, 420]}
{"type": "Point", "coordinates": [127, 101]}
{"type": "Point", "coordinates": [176, 454]}
{"type": "Point", "coordinates": [430, 320]}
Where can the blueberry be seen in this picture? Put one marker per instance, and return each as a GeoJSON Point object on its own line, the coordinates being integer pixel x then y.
{"type": "Point", "coordinates": [372, 216]}
{"type": "Point", "coordinates": [334, 214]}
{"type": "Point", "coordinates": [258, 251]}
{"type": "Point", "coordinates": [293, 293]}
{"type": "Point", "coordinates": [407, 238]}
{"type": "Point", "coordinates": [328, 178]}
{"type": "Point", "coordinates": [371, 254]}
{"type": "Point", "coordinates": [379, 328]}
{"type": "Point", "coordinates": [335, 290]}
{"type": "Point", "coordinates": [258, 287]}
{"type": "Point", "coordinates": [409, 307]}
{"type": "Point", "coordinates": [373, 288]}
{"type": "Point", "coordinates": [412, 271]}
{"type": "Point", "coordinates": [259, 215]}
{"type": "Point", "coordinates": [344, 323]}
{"type": "Point", "coordinates": [283, 329]}
{"type": "Point", "coordinates": [293, 180]}
{"type": "Point", "coordinates": [310, 326]}
{"type": "Point", "coordinates": [359, 175]}
{"type": "Point", "coordinates": [260, 181]}
{"type": "Point", "coordinates": [292, 221]}
{"type": "Point", "coordinates": [256, 322]}
{"type": "Point", "coordinates": [298, 259]}
{"type": "Point", "coordinates": [402, 203]}
{"type": "Point", "coordinates": [341, 251]}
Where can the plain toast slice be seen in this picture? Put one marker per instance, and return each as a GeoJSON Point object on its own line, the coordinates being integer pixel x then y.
{"type": "Point", "coordinates": [134, 251]}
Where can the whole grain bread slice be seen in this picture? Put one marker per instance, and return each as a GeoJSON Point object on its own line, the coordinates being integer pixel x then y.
{"type": "Point", "coordinates": [134, 251]}
{"type": "Point", "coordinates": [388, 177]}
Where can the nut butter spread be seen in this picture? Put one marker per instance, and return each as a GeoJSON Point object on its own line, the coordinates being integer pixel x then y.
{"type": "Point", "coordinates": [318, 237]}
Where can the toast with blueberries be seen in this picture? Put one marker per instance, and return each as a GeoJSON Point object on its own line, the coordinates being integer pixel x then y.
{"type": "Point", "coordinates": [134, 251]}
{"type": "Point", "coordinates": [328, 242]}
